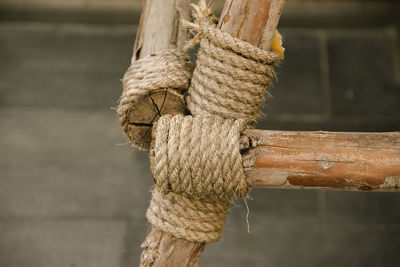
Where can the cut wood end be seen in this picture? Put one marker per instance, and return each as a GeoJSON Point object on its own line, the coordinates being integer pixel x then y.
{"type": "Point", "coordinates": [148, 109]}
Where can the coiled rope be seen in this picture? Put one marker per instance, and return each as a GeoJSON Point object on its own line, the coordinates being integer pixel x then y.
{"type": "Point", "coordinates": [231, 76]}
{"type": "Point", "coordinates": [197, 169]}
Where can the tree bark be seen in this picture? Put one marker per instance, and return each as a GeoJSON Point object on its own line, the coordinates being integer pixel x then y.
{"type": "Point", "coordinates": [322, 160]}
{"type": "Point", "coordinates": [162, 249]}
{"type": "Point", "coordinates": [159, 28]}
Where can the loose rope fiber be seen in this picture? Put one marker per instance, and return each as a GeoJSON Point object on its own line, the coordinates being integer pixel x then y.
{"type": "Point", "coordinates": [231, 75]}
{"type": "Point", "coordinates": [197, 169]}
{"type": "Point", "coordinates": [197, 166]}
{"type": "Point", "coordinates": [168, 69]}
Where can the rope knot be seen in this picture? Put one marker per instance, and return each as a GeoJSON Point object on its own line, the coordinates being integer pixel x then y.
{"type": "Point", "coordinates": [197, 169]}
{"type": "Point", "coordinates": [197, 166]}
{"type": "Point", "coordinates": [199, 157]}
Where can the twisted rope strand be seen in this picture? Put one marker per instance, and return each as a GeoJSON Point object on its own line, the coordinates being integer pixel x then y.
{"type": "Point", "coordinates": [231, 75]}
{"type": "Point", "coordinates": [193, 203]}
{"type": "Point", "coordinates": [211, 163]}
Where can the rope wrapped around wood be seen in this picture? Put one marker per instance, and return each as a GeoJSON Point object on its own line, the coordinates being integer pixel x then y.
{"type": "Point", "coordinates": [168, 69]}
{"type": "Point", "coordinates": [197, 169]}
{"type": "Point", "coordinates": [197, 165]}
{"type": "Point", "coordinates": [231, 76]}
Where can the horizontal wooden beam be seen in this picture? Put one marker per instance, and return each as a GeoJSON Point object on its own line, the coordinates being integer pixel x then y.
{"type": "Point", "coordinates": [322, 160]}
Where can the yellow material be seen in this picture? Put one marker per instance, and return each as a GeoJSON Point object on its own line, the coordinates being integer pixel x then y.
{"type": "Point", "coordinates": [276, 45]}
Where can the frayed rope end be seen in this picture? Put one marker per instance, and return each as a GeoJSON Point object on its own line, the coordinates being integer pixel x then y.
{"type": "Point", "coordinates": [202, 13]}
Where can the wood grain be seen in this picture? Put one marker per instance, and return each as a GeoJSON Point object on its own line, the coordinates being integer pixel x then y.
{"type": "Point", "coordinates": [253, 21]}
{"type": "Point", "coordinates": [322, 160]}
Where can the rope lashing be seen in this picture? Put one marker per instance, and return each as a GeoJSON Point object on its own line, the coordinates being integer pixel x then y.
{"type": "Point", "coordinates": [197, 166]}
{"type": "Point", "coordinates": [197, 169]}
{"type": "Point", "coordinates": [199, 157]}
{"type": "Point", "coordinates": [168, 69]}
{"type": "Point", "coordinates": [231, 75]}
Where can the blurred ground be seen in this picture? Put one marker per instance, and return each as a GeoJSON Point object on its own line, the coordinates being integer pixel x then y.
{"type": "Point", "coordinates": [73, 193]}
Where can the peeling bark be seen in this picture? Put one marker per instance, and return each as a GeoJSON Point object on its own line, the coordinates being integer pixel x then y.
{"type": "Point", "coordinates": [322, 160]}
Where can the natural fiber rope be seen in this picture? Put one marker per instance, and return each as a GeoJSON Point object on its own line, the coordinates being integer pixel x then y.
{"type": "Point", "coordinates": [197, 166]}
{"type": "Point", "coordinates": [168, 69]}
{"type": "Point", "coordinates": [199, 157]}
{"type": "Point", "coordinates": [183, 217]}
{"type": "Point", "coordinates": [231, 75]}
{"type": "Point", "coordinates": [197, 169]}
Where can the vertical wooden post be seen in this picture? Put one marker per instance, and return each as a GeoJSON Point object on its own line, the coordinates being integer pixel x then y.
{"type": "Point", "coordinates": [253, 21]}
{"type": "Point", "coordinates": [159, 28]}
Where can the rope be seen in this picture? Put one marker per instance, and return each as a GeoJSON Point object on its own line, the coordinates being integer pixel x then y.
{"type": "Point", "coordinates": [231, 75]}
{"type": "Point", "coordinates": [186, 218]}
{"type": "Point", "coordinates": [197, 169]}
{"type": "Point", "coordinates": [197, 166]}
{"type": "Point", "coordinates": [168, 69]}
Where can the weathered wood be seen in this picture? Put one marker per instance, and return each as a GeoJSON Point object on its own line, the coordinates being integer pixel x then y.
{"type": "Point", "coordinates": [159, 28]}
{"type": "Point", "coordinates": [322, 160]}
{"type": "Point", "coordinates": [162, 249]}
{"type": "Point", "coordinates": [253, 21]}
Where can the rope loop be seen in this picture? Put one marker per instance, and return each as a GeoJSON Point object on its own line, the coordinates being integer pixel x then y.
{"type": "Point", "coordinates": [197, 169]}
{"type": "Point", "coordinates": [199, 157]}
{"type": "Point", "coordinates": [184, 217]}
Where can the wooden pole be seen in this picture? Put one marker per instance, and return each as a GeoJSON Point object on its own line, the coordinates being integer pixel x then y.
{"type": "Point", "coordinates": [253, 21]}
{"type": "Point", "coordinates": [159, 28]}
{"type": "Point", "coordinates": [258, 19]}
{"type": "Point", "coordinates": [322, 160]}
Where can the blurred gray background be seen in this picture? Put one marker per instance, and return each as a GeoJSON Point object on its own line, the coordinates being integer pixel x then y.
{"type": "Point", "coordinates": [73, 193]}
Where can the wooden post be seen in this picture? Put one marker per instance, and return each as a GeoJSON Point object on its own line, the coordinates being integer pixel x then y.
{"type": "Point", "coordinates": [159, 28]}
{"type": "Point", "coordinates": [253, 21]}
{"type": "Point", "coordinates": [322, 160]}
